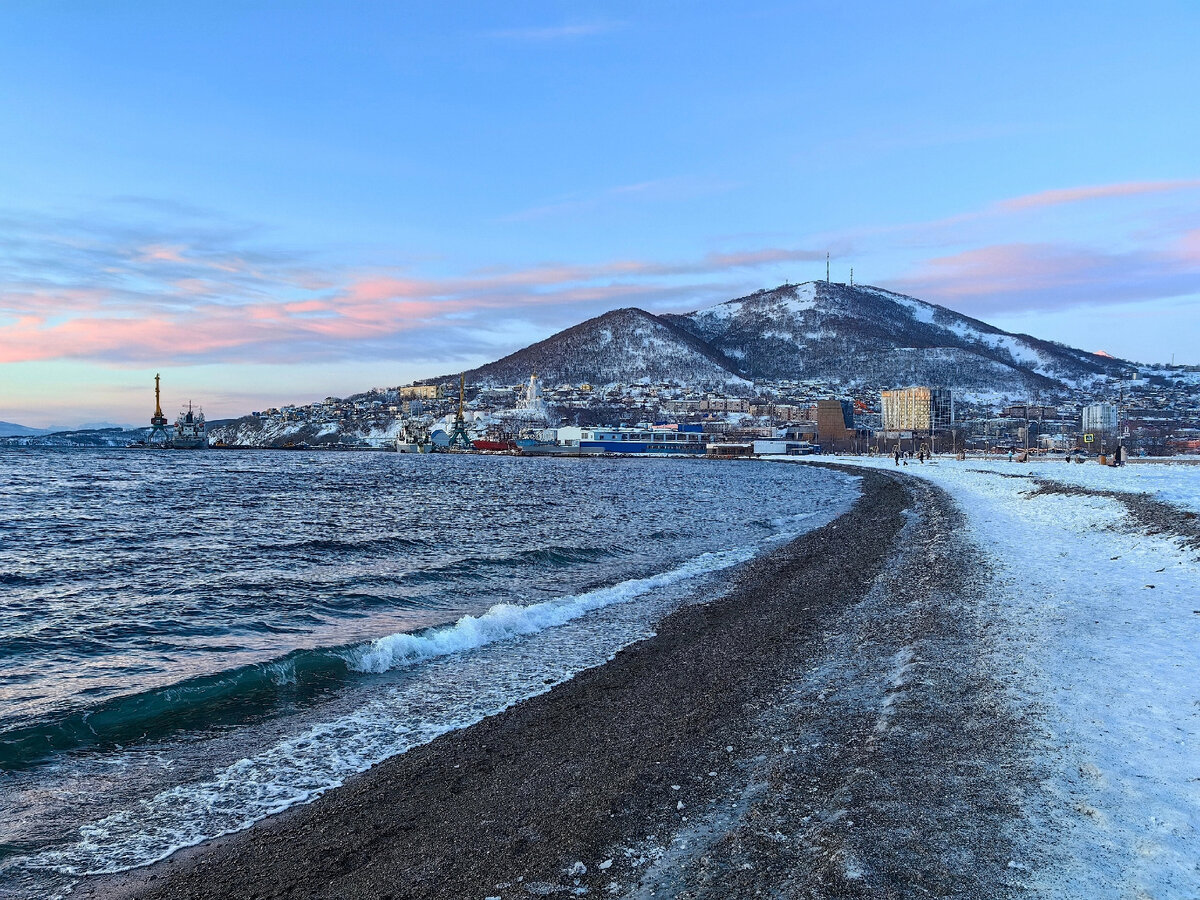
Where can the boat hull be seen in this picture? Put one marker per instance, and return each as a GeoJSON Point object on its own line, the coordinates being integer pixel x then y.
{"type": "Point", "coordinates": [680, 449]}
{"type": "Point", "coordinates": [494, 445]}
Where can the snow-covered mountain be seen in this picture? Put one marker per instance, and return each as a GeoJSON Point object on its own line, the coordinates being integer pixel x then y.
{"type": "Point", "coordinates": [625, 345]}
{"type": "Point", "coordinates": [862, 336]}
{"type": "Point", "coordinates": [872, 337]}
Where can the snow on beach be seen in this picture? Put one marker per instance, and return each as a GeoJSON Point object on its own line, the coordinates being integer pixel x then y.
{"type": "Point", "coordinates": [1103, 625]}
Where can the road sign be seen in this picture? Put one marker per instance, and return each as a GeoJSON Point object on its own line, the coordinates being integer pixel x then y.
{"type": "Point", "coordinates": [1088, 438]}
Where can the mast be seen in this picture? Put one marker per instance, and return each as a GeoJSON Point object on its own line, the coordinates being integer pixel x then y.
{"type": "Point", "coordinates": [827, 267]}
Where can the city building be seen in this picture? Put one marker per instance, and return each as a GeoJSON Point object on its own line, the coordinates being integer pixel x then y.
{"type": "Point", "coordinates": [1098, 417]}
{"type": "Point", "coordinates": [422, 392]}
{"type": "Point", "coordinates": [920, 410]}
{"type": "Point", "coordinates": [835, 423]}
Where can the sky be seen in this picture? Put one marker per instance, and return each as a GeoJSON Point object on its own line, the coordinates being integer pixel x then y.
{"type": "Point", "coordinates": [276, 202]}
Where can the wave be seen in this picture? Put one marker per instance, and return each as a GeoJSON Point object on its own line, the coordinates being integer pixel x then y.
{"type": "Point", "coordinates": [505, 620]}
{"type": "Point", "coordinates": [253, 691]}
{"type": "Point", "coordinates": [229, 697]}
{"type": "Point", "coordinates": [324, 755]}
{"type": "Point", "coordinates": [345, 545]}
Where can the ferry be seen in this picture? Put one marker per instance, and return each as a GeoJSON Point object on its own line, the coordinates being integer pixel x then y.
{"type": "Point", "coordinates": [656, 439]}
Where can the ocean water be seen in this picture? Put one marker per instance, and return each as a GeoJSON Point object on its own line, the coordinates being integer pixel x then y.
{"type": "Point", "coordinates": [190, 642]}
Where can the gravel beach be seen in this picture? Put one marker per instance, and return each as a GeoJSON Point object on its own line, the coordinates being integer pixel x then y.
{"type": "Point", "coordinates": [827, 728]}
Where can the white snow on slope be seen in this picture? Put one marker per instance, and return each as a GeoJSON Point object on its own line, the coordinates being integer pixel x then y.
{"type": "Point", "coordinates": [1103, 640]}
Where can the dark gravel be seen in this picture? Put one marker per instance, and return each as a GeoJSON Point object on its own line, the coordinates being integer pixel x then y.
{"type": "Point", "coordinates": [828, 728]}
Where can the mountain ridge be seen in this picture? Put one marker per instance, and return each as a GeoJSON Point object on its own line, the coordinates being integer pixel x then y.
{"type": "Point", "coordinates": [860, 335]}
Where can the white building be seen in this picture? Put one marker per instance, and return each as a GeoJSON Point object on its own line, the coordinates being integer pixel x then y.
{"type": "Point", "coordinates": [1098, 417]}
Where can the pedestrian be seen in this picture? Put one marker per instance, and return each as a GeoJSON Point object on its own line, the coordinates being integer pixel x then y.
{"type": "Point", "coordinates": [896, 454]}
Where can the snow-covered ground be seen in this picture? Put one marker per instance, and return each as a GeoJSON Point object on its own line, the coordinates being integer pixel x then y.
{"type": "Point", "coordinates": [1102, 626]}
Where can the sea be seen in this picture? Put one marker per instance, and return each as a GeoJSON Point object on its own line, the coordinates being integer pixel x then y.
{"type": "Point", "coordinates": [190, 642]}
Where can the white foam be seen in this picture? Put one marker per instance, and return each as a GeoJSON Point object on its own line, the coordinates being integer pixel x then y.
{"type": "Point", "coordinates": [506, 620]}
{"type": "Point", "coordinates": [464, 689]}
{"type": "Point", "coordinates": [322, 757]}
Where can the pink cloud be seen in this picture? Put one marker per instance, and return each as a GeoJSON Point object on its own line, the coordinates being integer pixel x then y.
{"type": "Point", "coordinates": [161, 253]}
{"type": "Point", "coordinates": [1060, 196]}
{"type": "Point", "coordinates": [1025, 276]}
{"type": "Point", "coordinates": [197, 300]}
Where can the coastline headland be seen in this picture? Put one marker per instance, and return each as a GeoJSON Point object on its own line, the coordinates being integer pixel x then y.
{"type": "Point", "coordinates": [751, 745]}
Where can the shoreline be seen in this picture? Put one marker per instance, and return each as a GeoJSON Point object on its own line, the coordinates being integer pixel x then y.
{"type": "Point", "coordinates": [592, 784]}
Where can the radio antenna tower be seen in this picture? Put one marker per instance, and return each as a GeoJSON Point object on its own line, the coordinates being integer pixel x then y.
{"type": "Point", "coordinates": [852, 276]}
{"type": "Point", "coordinates": [827, 267]}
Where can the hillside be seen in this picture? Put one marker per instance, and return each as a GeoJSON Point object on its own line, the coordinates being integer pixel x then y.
{"type": "Point", "coordinates": [872, 337]}
{"type": "Point", "coordinates": [625, 345]}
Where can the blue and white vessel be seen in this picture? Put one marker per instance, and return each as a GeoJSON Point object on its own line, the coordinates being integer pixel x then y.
{"type": "Point", "coordinates": [656, 439]}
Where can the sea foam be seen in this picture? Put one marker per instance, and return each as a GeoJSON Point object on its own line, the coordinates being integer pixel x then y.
{"type": "Point", "coordinates": [324, 755]}
{"type": "Point", "coordinates": [507, 620]}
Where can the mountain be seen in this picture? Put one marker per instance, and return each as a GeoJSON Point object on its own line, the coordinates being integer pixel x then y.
{"type": "Point", "coordinates": [625, 345]}
{"type": "Point", "coordinates": [11, 429]}
{"type": "Point", "coordinates": [873, 337]}
{"type": "Point", "coordinates": [862, 336]}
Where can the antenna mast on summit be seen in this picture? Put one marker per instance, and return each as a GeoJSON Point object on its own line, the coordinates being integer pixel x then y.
{"type": "Point", "coordinates": [827, 267]}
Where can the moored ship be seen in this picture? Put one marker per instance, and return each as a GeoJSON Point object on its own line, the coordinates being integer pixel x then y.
{"type": "Point", "coordinates": [657, 439]}
{"type": "Point", "coordinates": [190, 431]}
{"type": "Point", "coordinates": [412, 439]}
{"type": "Point", "coordinates": [495, 440]}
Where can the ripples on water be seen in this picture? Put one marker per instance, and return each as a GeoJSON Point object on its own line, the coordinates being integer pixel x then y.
{"type": "Point", "coordinates": [189, 642]}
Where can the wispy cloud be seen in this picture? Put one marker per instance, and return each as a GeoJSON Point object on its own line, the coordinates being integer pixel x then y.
{"type": "Point", "coordinates": [1063, 196]}
{"type": "Point", "coordinates": [555, 32]}
{"type": "Point", "coordinates": [185, 292]}
{"type": "Point", "coordinates": [1010, 255]}
{"type": "Point", "coordinates": [1012, 277]}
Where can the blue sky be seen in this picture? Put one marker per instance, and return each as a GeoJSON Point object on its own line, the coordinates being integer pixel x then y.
{"type": "Point", "coordinates": [274, 202]}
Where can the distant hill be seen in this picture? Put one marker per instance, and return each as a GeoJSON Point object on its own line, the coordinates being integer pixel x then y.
{"type": "Point", "coordinates": [11, 429]}
{"type": "Point", "coordinates": [870, 336]}
{"type": "Point", "coordinates": [861, 336]}
{"type": "Point", "coordinates": [624, 345]}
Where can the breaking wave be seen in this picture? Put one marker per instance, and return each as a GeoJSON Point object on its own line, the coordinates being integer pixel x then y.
{"type": "Point", "coordinates": [251, 692]}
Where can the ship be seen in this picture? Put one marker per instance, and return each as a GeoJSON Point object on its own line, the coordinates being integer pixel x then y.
{"type": "Point", "coordinates": [657, 439]}
{"type": "Point", "coordinates": [412, 439]}
{"type": "Point", "coordinates": [190, 431]}
{"type": "Point", "coordinates": [495, 439]}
